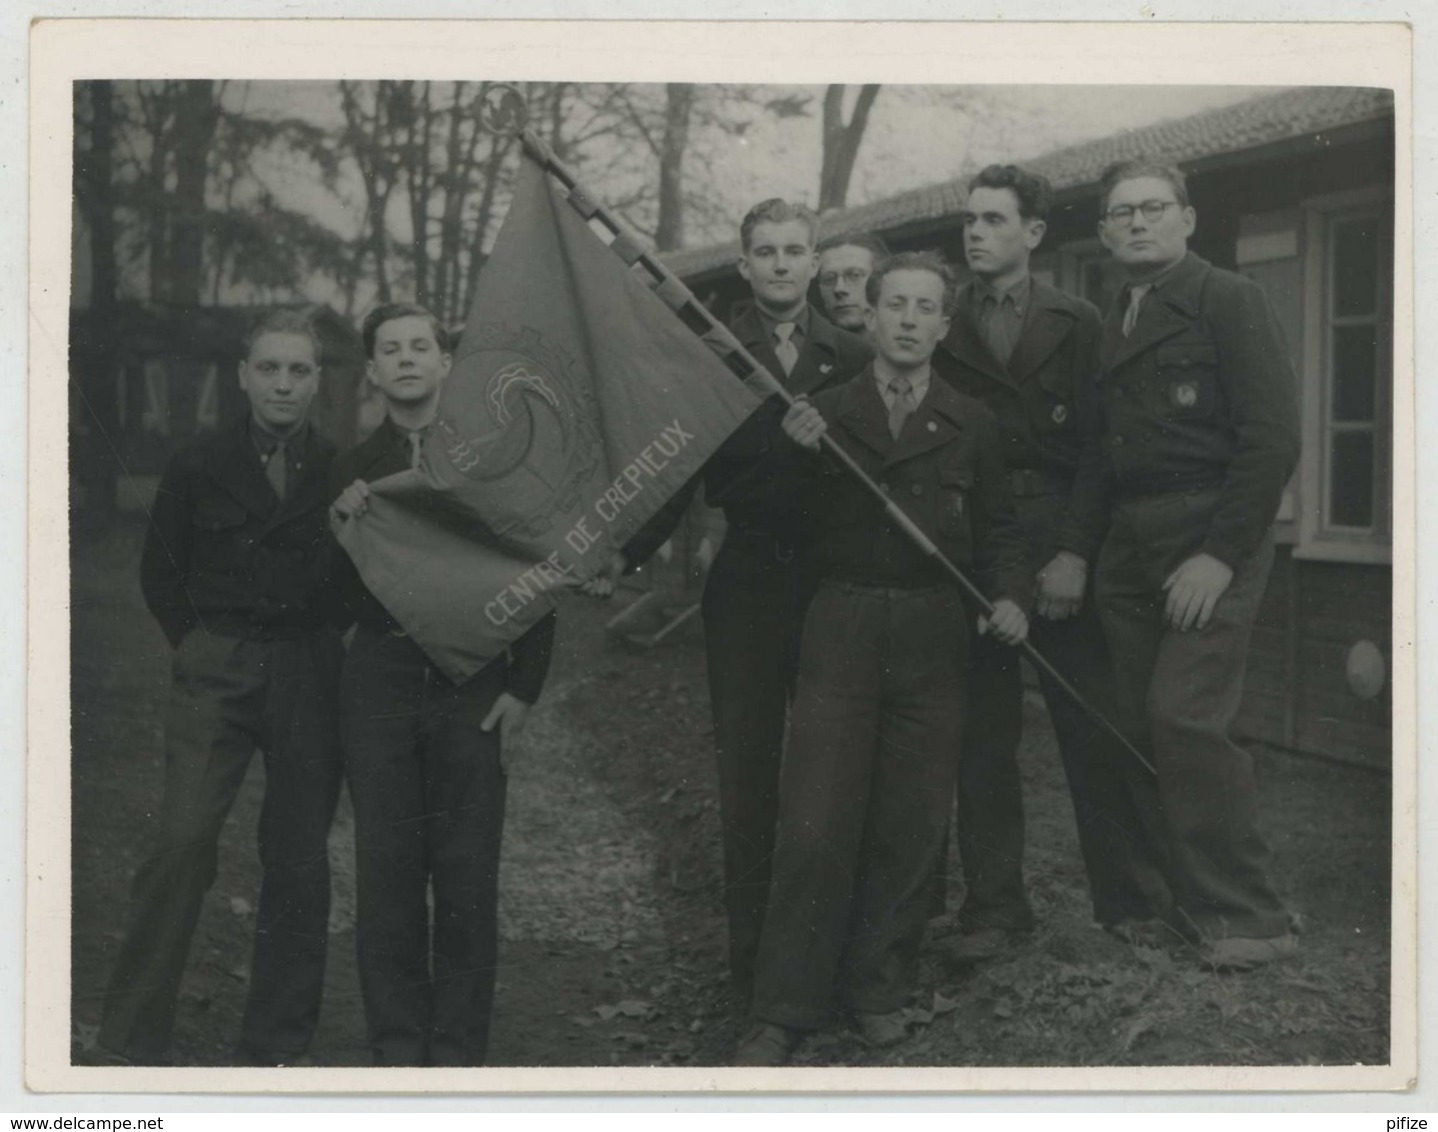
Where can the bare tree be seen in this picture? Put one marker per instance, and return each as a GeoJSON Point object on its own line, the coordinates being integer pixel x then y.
{"type": "Point", "coordinates": [841, 142]}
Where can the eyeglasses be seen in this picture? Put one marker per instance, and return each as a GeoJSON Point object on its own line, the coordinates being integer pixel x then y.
{"type": "Point", "coordinates": [850, 275]}
{"type": "Point", "coordinates": [1121, 215]}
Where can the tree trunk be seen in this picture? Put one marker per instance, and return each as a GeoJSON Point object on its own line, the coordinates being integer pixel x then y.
{"type": "Point", "coordinates": [96, 437]}
{"type": "Point", "coordinates": [669, 233]}
{"type": "Point", "coordinates": [195, 120]}
{"type": "Point", "coordinates": [841, 142]}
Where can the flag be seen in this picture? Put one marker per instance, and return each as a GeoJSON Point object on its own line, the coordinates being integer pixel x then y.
{"type": "Point", "coordinates": [577, 404]}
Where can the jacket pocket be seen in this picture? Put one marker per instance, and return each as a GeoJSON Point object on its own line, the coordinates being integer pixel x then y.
{"type": "Point", "coordinates": [956, 487]}
{"type": "Point", "coordinates": [1187, 386]}
{"type": "Point", "coordinates": [216, 513]}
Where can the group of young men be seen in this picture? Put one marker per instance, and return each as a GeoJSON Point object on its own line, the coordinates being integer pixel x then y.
{"type": "Point", "coordinates": [1109, 484]}
{"type": "Point", "coordinates": [241, 569]}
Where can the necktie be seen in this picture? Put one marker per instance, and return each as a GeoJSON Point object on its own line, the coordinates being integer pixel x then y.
{"type": "Point", "coordinates": [901, 406]}
{"type": "Point", "coordinates": [416, 447]}
{"type": "Point", "coordinates": [276, 471]}
{"type": "Point", "coordinates": [998, 326]}
{"type": "Point", "coordinates": [784, 348]}
{"type": "Point", "coordinates": [1136, 295]}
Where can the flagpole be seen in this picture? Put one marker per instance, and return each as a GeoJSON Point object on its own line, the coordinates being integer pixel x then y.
{"type": "Point", "coordinates": [631, 249]}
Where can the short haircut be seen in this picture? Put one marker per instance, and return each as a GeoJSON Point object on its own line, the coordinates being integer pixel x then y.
{"type": "Point", "coordinates": [283, 321]}
{"type": "Point", "coordinates": [1135, 168]}
{"type": "Point", "coordinates": [388, 312]}
{"type": "Point", "coordinates": [1032, 190]}
{"type": "Point", "coordinates": [930, 261]}
{"type": "Point", "coordinates": [866, 240]}
{"type": "Point", "coordinates": [777, 210]}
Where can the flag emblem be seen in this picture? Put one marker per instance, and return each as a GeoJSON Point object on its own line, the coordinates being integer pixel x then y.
{"type": "Point", "coordinates": [525, 430]}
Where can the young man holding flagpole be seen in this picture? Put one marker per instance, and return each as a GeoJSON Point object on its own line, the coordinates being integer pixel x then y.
{"type": "Point", "coordinates": [426, 758]}
{"type": "Point", "coordinates": [867, 779]}
{"type": "Point", "coordinates": [758, 584]}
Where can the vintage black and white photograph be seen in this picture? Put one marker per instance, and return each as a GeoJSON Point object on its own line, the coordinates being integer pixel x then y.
{"type": "Point", "coordinates": [730, 574]}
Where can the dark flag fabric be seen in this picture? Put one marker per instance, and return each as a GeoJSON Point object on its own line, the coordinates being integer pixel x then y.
{"type": "Point", "coordinates": [577, 404]}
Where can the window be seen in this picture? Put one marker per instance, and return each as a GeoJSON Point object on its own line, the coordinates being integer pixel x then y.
{"type": "Point", "coordinates": [1348, 386]}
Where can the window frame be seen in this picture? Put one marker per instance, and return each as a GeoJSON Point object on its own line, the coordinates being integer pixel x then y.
{"type": "Point", "coordinates": [1318, 539]}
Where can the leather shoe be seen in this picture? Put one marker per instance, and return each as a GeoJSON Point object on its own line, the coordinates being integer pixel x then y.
{"type": "Point", "coordinates": [1238, 953]}
{"type": "Point", "coordinates": [767, 1044]}
{"type": "Point", "coordinates": [979, 945]}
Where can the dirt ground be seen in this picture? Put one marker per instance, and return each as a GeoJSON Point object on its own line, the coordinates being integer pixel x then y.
{"type": "Point", "coordinates": [611, 920]}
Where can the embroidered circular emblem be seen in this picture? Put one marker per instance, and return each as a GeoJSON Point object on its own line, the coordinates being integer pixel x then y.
{"type": "Point", "coordinates": [1060, 414]}
{"type": "Point", "coordinates": [1184, 394]}
{"type": "Point", "coordinates": [517, 416]}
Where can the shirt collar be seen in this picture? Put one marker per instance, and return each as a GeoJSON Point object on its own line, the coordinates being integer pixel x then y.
{"type": "Point", "coordinates": [265, 439]}
{"type": "Point", "coordinates": [1019, 292]}
{"type": "Point", "coordinates": [800, 321]}
{"type": "Point", "coordinates": [919, 383]}
{"type": "Point", "coordinates": [1156, 283]}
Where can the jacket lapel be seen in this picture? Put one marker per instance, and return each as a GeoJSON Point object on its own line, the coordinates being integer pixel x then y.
{"type": "Point", "coordinates": [749, 328]}
{"type": "Point", "coordinates": [237, 470]}
{"type": "Point", "coordinates": [966, 344]}
{"type": "Point", "coordinates": [1168, 312]}
{"type": "Point", "coordinates": [863, 415]}
{"type": "Point", "coordinates": [930, 426]}
{"type": "Point", "coordinates": [817, 357]}
{"type": "Point", "coordinates": [1049, 323]}
{"type": "Point", "coordinates": [815, 367]}
{"type": "Point", "coordinates": [309, 490]}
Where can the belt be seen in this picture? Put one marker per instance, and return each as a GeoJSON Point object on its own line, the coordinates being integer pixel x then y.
{"type": "Point", "coordinates": [244, 629]}
{"type": "Point", "coordinates": [880, 589]}
{"type": "Point", "coordinates": [1026, 482]}
{"type": "Point", "coordinates": [757, 541]}
{"type": "Point", "coordinates": [1168, 485]}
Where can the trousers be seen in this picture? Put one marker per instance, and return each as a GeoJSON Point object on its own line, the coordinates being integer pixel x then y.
{"type": "Point", "coordinates": [429, 793]}
{"type": "Point", "coordinates": [229, 696]}
{"type": "Point", "coordinates": [753, 607]}
{"type": "Point", "coordinates": [1117, 837]}
{"type": "Point", "coordinates": [863, 801]}
{"type": "Point", "coordinates": [1178, 693]}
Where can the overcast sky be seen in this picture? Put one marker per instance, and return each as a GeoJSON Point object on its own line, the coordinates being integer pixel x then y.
{"type": "Point", "coordinates": [917, 135]}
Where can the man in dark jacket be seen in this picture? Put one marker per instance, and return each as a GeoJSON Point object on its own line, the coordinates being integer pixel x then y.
{"type": "Point", "coordinates": [232, 569]}
{"type": "Point", "coordinates": [868, 778]}
{"type": "Point", "coordinates": [1031, 354]}
{"type": "Point", "coordinates": [1200, 436]}
{"type": "Point", "coordinates": [757, 587]}
{"type": "Point", "coordinates": [426, 759]}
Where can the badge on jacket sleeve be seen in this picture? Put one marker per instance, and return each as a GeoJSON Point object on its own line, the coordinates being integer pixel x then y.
{"type": "Point", "coordinates": [1060, 414]}
{"type": "Point", "coordinates": [825, 367]}
{"type": "Point", "coordinates": [1183, 394]}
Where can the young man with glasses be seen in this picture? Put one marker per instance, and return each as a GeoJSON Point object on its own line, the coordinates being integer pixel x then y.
{"type": "Point", "coordinates": [1200, 435]}
{"type": "Point", "coordinates": [845, 264]}
{"type": "Point", "coordinates": [1030, 353]}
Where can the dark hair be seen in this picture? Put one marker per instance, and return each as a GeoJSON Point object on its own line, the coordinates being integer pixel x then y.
{"type": "Point", "coordinates": [866, 240]}
{"type": "Point", "coordinates": [388, 312]}
{"type": "Point", "coordinates": [777, 210]}
{"type": "Point", "coordinates": [1135, 168]}
{"type": "Point", "coordinates": [1032, 190]}
{"type": "Point", "coordinates": [283, 321]}
{"type": "Point", "coordinates": [930, 261]}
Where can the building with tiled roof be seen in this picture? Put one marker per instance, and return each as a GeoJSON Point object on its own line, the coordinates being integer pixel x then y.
{"type": "Point", "coordinates": [1296, 190]}
{"type": "Point", "coordinates": [1297, 119]}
